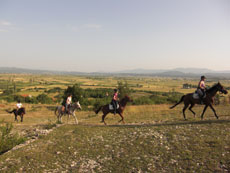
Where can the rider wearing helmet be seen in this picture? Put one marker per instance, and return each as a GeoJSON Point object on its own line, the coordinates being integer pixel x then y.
{"type": "Point", "coordinates": [114, 100]}
{"type": "Point", "coordinates": [201, 88]}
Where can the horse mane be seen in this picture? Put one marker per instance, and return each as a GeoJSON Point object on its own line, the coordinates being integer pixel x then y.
{"type": "Point", "coordinates": [123, 100]}
{"type": "Point", "coordinates": [212, 88]}
{"type": "Point", "coordinates": [22, 109]}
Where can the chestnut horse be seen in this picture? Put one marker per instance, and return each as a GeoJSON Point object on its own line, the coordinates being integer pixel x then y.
{"type": "Point", "coordinates": [208, 100]}
{"type": "Point", "coordinates": [20, 112]}
{"type": "Point", "coordinates": [122, 104]}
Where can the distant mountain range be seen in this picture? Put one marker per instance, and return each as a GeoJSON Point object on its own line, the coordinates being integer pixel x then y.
{"type": "Point", "coordinates": [183, 70]}
{"type": "Point", "coordinates": [177, 72]}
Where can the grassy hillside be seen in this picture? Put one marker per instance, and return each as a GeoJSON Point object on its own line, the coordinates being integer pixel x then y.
{"type": "Point", "coordinates": [154, 139]}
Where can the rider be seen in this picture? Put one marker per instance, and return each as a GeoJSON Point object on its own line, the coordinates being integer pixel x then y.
{"type": "Point", "coordinates": [115, 100]}
{"type": "Point", "coordinates": [18, 105]}
{"type": "Point", "coordinates": [201, 88]}
{"type": "Point", "coordinates": [68, 103]}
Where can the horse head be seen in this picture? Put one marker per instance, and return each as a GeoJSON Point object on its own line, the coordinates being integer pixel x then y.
{"type": "Point", "coordinates": [128, 99]}
{"type": "Point", "coordinates": [77, 105]}
{"type": "Point", "coordinates": [221, 88]}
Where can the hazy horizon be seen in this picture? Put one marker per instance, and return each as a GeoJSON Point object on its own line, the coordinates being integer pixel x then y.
{"type": "Point", "coordinates": [136, 70]}
{"type": "Point", "coordinates": [102, 35]}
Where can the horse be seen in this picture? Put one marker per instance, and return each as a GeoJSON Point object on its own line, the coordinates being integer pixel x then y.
{"type": "Point", "coordinates": [20, 112]}
{"type": "Point", "coordinates": [122, 104]}
{"type": "Point", "coordinates": [208, 100]}
{"type": "Point", "coordinates": [60, 111]}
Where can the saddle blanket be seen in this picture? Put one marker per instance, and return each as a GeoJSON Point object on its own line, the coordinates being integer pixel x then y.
{"type": "Point", "coordinates": [196, 95]}
{"type": "Point", "coordinates": [111, 106]}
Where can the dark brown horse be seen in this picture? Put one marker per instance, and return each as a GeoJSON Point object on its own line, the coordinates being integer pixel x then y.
{"type": "Point", "coordinates": [208, 100]}
{"type": "Point", "coordinates": [20, 112]}
{"type": "Point", "coordinates": [122, 104]}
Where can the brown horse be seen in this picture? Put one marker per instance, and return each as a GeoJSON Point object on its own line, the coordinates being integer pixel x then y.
{"type": "Point", "coordinates": [122, 104]}
{"type": "Point", "coordinates": [20, 112]}
{"type": "Point", "coordinates": [208, 100]}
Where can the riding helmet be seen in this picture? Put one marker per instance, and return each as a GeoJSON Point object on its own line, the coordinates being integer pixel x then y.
{"type": "Point", "coordinates": [203, 77]}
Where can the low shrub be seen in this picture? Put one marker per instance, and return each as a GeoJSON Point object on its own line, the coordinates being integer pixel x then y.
{"type": "Point", "coordinates": [7, 139]}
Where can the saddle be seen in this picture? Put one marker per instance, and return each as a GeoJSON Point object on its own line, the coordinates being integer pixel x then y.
{"type": "Point", "coordinates": [111, 106]}
{"type": "Point", "coordinates": [64, 110]}
{"type": "Point", "coordinates": [197, 93]}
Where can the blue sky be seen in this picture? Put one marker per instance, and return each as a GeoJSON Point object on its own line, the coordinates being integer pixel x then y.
{"type": "Point", "coordinates": [113, 35]}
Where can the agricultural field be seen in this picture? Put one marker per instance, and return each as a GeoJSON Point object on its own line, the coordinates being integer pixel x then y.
{"type": "Point", "coordinates": [154, 138]}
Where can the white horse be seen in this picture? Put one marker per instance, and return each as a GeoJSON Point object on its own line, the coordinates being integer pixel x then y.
{"type": "Point", "coordinates": [60, 111]}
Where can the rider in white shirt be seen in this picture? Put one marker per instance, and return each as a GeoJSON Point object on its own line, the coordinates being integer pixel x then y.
{"type": "Point", "coordinates": [18, 105]}
{"type": "Point", "coordinates": [68, 102]}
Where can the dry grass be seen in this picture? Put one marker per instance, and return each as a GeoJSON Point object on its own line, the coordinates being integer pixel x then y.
{"type": "Point", "coordinates": [154, 138]}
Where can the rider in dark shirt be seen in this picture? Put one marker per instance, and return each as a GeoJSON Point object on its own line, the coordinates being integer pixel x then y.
{"type": "Point", "coordinates": [114, 100]}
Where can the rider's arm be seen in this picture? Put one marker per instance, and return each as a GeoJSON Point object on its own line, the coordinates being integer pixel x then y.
{"type": "Point", "coordinates": [202, 85]}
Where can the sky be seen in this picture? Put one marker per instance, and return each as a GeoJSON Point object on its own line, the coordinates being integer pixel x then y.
{"type": "Point", "coordinates": [114, 35]}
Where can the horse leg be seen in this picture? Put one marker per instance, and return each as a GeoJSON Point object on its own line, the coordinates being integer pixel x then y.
{"type": "Point", "coordinates": [61, 118]}
{"type": "Point", "coordinates": [190, 108]}
{"type": "Point", "coordinates": [213, 111]}
{"type": "Point", "coordinates": [68, 118]}
{"type": "Point", "coordinates": [122, 118]}
{"type": "Point", "coordinates": [76, 121]}
{"type": "Point", "coordinates": [185, 107]}
{"type": "Point", "coordinates": [103, 118]}
{"type": "Point", "coordinates": [202, 115]}
{"type": "Point", "coordinates": [21, 118]}
{"type": "Point", "coordinates": [15, 119]}
{"type": "Point", "coordinates": [58, 117]}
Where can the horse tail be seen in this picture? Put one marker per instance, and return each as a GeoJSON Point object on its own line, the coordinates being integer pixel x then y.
{"type": "Point", "coordinates": [10, 111]}
{"type": "Point", "coordinates": [98, 110]}
{"type": "Point", "coordinates": [181, 100]}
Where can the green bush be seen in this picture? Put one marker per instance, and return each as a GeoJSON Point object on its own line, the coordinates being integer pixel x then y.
{"type": "Point", "coordinates": [100, 102]}
{"type": "Point", "coordinates": [8, 140]}
{"type": "Point", "coordinates": [54, 90]}
{"type": "Point", "coordinates": [31, 100]}
{"type": "Point", "coordinates": [123, 88]}
{"type": "Point", "coordinates": [8, 92]}
{"type": "Point", "coordinates": [76, 91]}
{"type": "Point", "coordinates": [44, 99]}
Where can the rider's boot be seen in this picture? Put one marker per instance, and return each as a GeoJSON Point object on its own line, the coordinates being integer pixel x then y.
{"type": "Point", "coordinates": [201, 101]}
